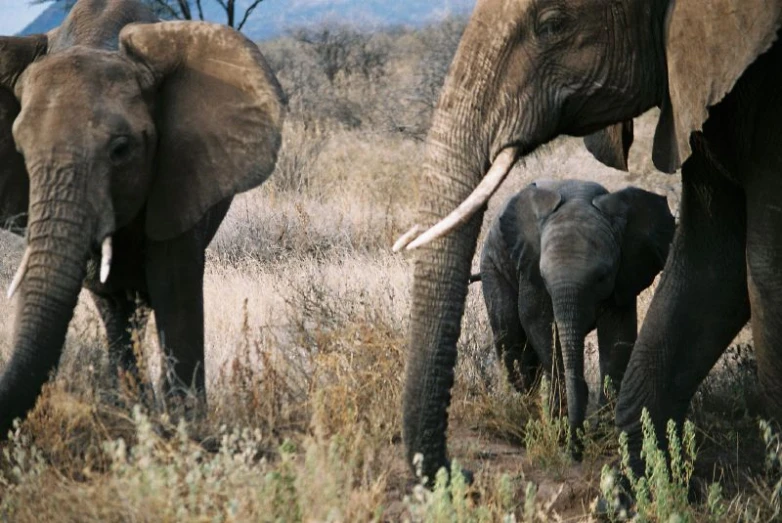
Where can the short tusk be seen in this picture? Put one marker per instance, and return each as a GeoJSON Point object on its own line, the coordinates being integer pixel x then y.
{"type": "Point", "coordinates": [105, 259]}
{"type": "Point", "coordinates": [490, 183]}
{"type": "Point", "coordinates": [20, 272]}
{"type": "Point", "coordinates": [406, 238]}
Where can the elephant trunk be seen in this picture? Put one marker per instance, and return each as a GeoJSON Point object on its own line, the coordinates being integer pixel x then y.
{"type": "Point", "coordinates": [59, 240]}
{"type": "Point", "coordinates": [441, 276]}
{"type": "Point", "coordinates": [571, 328]}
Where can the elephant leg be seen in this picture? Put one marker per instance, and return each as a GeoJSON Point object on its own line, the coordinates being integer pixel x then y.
{"type": "Point", "coordinates": [617, 328]}
{"type": "Point", "coordinates": [175, 277]}
{"type": "Point", "coordinates": [121, 315]}
{"type": "Point", "coordinates": [510, 340]}
{"type": "Point", "coordinates": [175, 274]}
{"type": "Point", "coordinates": [764, 259]}
{"type": "Point", "coordinates": [537, 315]}
{"type": "Point", "coordinates": [699, 306]}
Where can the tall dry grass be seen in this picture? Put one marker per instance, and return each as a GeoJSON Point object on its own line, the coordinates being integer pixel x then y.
{"type": "Point", "coordinates": [306, 319]}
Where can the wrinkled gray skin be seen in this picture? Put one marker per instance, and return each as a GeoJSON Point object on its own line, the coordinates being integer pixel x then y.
{"type": "Point", "coordinates": [142, 133]}
{"type": "Point", "coordinates": [573, 254]}
{"type": "Point", "coordinates": [527, 71]}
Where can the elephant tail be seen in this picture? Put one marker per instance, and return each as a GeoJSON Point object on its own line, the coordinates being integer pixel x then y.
{"type": "Point", "coordinates": [475, 277]}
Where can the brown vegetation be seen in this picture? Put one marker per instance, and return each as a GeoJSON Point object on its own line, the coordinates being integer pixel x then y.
{"type": "Point", "coordinates": [306, 323]}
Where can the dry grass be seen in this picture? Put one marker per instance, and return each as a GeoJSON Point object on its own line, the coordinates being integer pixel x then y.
{"type": "Point", "coordinates": [306, 318]}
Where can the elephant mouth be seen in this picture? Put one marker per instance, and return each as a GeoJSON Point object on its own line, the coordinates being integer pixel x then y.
{"type": "Point", "coordinates": [500, 168]}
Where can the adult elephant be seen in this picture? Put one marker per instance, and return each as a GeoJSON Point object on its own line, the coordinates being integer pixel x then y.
{"type": "Point", "coordinates": [527, 71]}
{"type": "Point", "coordinates": [132, 138]}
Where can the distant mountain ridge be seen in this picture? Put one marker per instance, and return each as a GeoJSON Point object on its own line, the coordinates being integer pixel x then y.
{"type": "Point", "coordinates": [273, 18]}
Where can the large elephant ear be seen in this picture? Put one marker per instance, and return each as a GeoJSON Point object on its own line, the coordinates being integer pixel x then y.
{"type": "Point", "coordinates": [647, 236]}
{"type": "Point", "coordinates": [16, 53]}
{"type": "Point", "coordinates": [708, 47]}
{"type": "Point", "coordinates": [219, 118]}
{"type": "Point", "coordinates": [520, 224]}
{"type": "Point", "coordinates": [611, 146]}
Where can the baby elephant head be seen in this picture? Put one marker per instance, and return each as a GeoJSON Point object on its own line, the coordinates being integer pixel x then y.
{"type": "Point", "coordinates": [583, 241]}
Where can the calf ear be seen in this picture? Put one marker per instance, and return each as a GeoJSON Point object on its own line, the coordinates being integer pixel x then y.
{"type": "Point", "coordinates": [16, 53]}
{"type": "Point", "coordinates": [520, 225]}
{"type": "Point", "coordinates": [647, 236]}
{"type": "Point", "coordinates": [708, 46]}
{"type": "Point", "coordinates": [611, 146]}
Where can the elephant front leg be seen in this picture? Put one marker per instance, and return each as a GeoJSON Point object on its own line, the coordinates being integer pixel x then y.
{"type": "Point", "coordinates": [175, 275]}
{"type": "Point", "coordinates": [764, 260]}
{"type": "Point", "coordinates": [537, 316]}
{"type": "Point", "coordinates": [510, 340]}
{"type": "Point", "coordinates": [617, 329]}
{"type": "Point", "coordinates": [699, 306]}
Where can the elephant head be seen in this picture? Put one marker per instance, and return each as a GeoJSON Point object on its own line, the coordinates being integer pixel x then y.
{"type": "Point", "coordinates": [591, 250]}
{"type": "Point", "coordinates": [525, 72]}
{"type": "Point", "coordinates": [110, 122]}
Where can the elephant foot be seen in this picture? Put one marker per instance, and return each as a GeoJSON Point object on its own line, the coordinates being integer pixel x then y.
{"type": "Point", "coordinates": [615, 502]}
{"type": "Point", "coordinates": [575, 444]}
{"type": "Point", "coordinates": [467, 475]}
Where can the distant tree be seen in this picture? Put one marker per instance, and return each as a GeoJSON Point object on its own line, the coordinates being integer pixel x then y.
{"type": "Point", "coordinates": [342, 49]}
{"type": "Point", "coordinates": [187, 9]}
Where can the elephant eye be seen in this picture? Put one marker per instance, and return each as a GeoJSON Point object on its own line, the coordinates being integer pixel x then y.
{"type": "Point", "coordinates": [120, 149]}
{"type": "Point", "coordinates": [550, 23]}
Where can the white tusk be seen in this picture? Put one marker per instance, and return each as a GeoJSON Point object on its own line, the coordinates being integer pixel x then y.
{"type": "Point", "coordinates": [105, 259]}
{"type": "Point", "coordinates": [490, 183]}
{"type": "Point", "coordinates": [406, 238]}
{"type": "Point", "coordinates": [19, 274]}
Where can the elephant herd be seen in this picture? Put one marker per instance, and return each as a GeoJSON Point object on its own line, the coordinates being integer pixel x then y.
{"type": "Point", "coordinates": [123, 140]}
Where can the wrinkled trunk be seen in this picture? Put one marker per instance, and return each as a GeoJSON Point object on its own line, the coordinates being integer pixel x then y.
{"type": "Point", "coordinates": [569, 314]}
{"type": "Point", "coordinates": [59, 240]}
{"type": "Point", "coordinates": [442, 271]}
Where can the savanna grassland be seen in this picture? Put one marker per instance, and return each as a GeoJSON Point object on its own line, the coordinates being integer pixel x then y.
{"type": "Point", "coordinates": [306, 318]}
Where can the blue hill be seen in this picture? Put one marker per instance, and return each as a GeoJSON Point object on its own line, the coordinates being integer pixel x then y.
{"type": "Point", "coordinates": [273, 18]}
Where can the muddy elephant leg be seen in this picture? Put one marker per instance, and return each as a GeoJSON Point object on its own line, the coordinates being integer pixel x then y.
{"type": "Point", "coordinates": [617, 328]}
{"type": "Point", "coordinates": [699, 306]}
{"type": "Point", "coordinates": [122, 315]}
{"type": "Point", "coordinates": [510, 340]}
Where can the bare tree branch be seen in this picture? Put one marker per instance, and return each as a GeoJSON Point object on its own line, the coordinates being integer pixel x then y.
{"type": "Point", "coordinates": [163, 4]}
{"type": "Point", "coordinates": [200, 10]}
{"type": "Point", "coordinates": [247, 13]}
{"type": "Point", "coordinates": [184, 6]}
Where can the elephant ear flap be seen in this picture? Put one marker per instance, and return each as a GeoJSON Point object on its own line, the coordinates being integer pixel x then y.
{"type": "Point", "coordinates": [708, 45]}
{"type": "Point", "coordinates": [611, 146]}
{"type": "Point", "coordinates": [16, 53]}
{"type": "Point", "coordinates": [647, 236]}
{"type": "Point", "coordinates": [219, 117]}
{"type": "Point", "coordinates": [520, 224]}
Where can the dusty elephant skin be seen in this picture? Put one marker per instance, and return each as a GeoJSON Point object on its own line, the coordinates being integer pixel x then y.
{"type": "Point", "coordinates": [132, 136]}
{"type": "Point", "coordinates": [573, 254]}
{"type": "Point", "coordinates": [527, 71]}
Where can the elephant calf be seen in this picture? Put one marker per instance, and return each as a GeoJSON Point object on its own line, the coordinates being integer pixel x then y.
{"type": "Point", "coordinates": [572, 254]}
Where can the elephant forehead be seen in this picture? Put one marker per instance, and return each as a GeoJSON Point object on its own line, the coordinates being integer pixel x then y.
{"type": "Point", "coordinates": [576, 230]}
{"type": "Point", "coordinates": [81, 72]}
